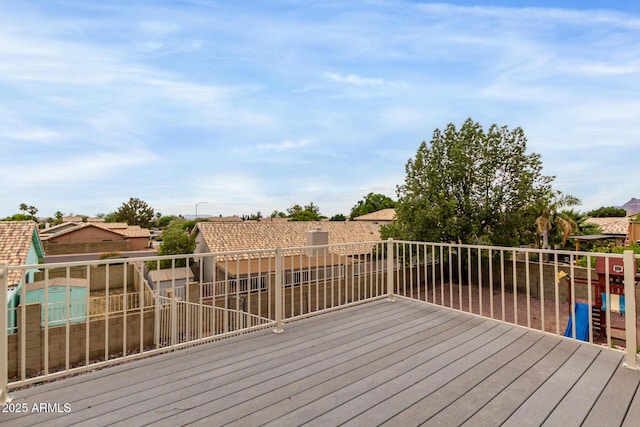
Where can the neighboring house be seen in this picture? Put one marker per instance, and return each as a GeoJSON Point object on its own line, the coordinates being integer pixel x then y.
{"type": "Point", "coordinates": [234, 218]}
{"type": "Point", "coordinates": [381, 217]}
{"type": "Point", "coordinates": [85, 237]}
{"type": "Point", "coordinates": [81, 219]}
{"type": "Point", "coordinates": [19, 245]}
{"type": "Point", "coordinates": [260, 235]}
{"type": "Point", "coordinates": [616, 228]}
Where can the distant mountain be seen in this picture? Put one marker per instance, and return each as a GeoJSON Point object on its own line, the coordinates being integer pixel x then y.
{"type": "Point", "coordinates": [632, 206]}
{"type": "Point", "coordinates": [200, 215]}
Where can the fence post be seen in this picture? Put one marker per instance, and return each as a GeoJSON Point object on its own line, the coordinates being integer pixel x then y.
{"type": "Point", "coordinates": [390, 269]}
{"type": "Point", "coordinates": [279, 292]}
{"type": "Point", "coordinates": [4, 335]}
{"type": "Point", "coordinates": [630, 309]}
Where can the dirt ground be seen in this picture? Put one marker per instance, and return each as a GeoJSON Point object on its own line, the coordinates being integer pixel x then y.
{"type": "Point", "coordinates": [516, 310]}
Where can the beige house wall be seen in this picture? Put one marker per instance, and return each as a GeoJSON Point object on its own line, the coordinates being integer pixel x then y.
{"type": "Point", "coordinates": [85, 248]}
{"type": "Point", "coordinates": [93, 240]}
{"type": "Point", "coordinates": [634, 232]}
{"type": "Point", "coordinates": [86, 235]}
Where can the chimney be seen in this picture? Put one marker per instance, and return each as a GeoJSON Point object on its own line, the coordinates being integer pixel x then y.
{"type": "Point", "coordinates": [317, 237]}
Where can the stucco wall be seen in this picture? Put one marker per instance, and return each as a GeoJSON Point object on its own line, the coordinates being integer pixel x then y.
{"type": "Point", "coordinates": [34, 340]}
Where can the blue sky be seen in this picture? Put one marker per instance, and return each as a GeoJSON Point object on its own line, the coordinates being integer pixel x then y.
{"type": "Point", "coordinates": [254, 106]}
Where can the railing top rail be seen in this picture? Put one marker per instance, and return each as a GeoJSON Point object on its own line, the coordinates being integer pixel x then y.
{"type": "Point", "coordinates": [270, 252]}
{"type": "Point", "coordinates": [514, 249]}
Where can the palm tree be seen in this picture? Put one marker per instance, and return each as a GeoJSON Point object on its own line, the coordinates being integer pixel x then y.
{"type": "Point", "coordinates": [32, 211]}
{"type": "Point", "coordinates": [24, 208]}
{"type": "Point", "coordinates": [552, 217]}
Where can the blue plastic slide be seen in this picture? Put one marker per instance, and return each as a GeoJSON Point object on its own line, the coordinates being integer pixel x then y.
{"type": "Point", "coordinates": [582, 323]}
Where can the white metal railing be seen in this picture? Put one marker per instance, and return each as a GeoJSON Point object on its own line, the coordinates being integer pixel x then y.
{"type": "Point", "coordinates": [512, 285]}
{"type": "Point", "coordinates": [236, 292]}
{"type": "Point", "coordinates": [4, 336]}
{"type": "Point", "coordinates": [183, 322]}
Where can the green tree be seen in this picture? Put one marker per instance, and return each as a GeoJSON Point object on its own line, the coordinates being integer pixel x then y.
{"type": "Point", "coordinates": [607, 211]}
{"type": "Point", "coordinates": [33, 211]}
{"type": "Point", "coordinates": [553, 219]}
{"type": "Point", "coordinates": [372, 202]}
{"type": "Point", "coordinates": [175, 241]}
{"type": "Point", "coordinates": [135, 212]}
{"type": "Point", "coordinates": [338, 217]}
{"type": "Point", "coordinates": [110, 217]}
{"type": "Point", "coordinates": [252, 217]}
{"type": "Point", "coordinates": [472, 186]}
{"type": "Point", "coordinates": [164, 221]}
{"type": "Point", "coordinates": [59, 216]}
{"type": "Point", "coordinates": [277, 214]}
{"type": "Point", "coordinates": [23, 208]}
{"type": "Point", "coordinates": [310, 212]}
{"type": "Point", "coordinates": [18, 217]}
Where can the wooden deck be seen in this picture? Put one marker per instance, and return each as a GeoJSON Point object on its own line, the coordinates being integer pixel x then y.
{"type": "Point", "coordinates": [399, 364]}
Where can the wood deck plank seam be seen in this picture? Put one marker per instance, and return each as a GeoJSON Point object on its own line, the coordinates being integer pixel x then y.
{"type": "Point", "coordinates": [275, 376]}
{"type": "Point", "coordinates": [633, 412]}
{"type": "Point", "coordinates": [481, 394]}
{"type": "Point", "coordinates": [615, 398]}
{"type": "Point", "coordinates": [345, 350]}
{"type": "Point", "coordinates": [365, 363]}
{"type": "Point", "coordinates": [287, 348]}
{"type": "Point", "coordinates": [150, 360]}
{"type": "Point", "coordinates": [185, 355]}
{"type": "Point", "coordinates": [550, 390]}
{"type": "Point", "coordinates": [204, 379]}
{"type": "Point", "coordinates": [521, 387]}
{"type": "Point", "coordinates": [396, 374]}
{"type": "Point", "coordinates": [564, 396]}
{"type": "Point", "coordinates": [596, 377]}
{"type": "Point", "coordinates": [401, 398]}
{"type": "Point", "coordinates": [425, 406]}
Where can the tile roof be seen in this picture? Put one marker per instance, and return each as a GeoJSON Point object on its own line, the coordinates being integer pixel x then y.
{"type": "Point", "coordinates": [234, 218]}
{"type": "Point", "coordinates": [248, 236]}
{"type": "Point", "coordinates": [381, 215]}
{"type": "Point", "coordinates": [131, 231]}
{"type": "Point", "coordinates": [611, 225]}
{"type": "Point", "coordinates": [120, 228]}
{"type": "Point", "coordinates": [16, 238]}
{"type": "Point", "coordinates": [263, 265]}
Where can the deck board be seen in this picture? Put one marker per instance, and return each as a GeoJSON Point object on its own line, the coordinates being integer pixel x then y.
{"type": "Point", "coordinates": [403, 363]}
{"type": "Point", "coordinates": [613, 403]}
{"type": "Point", "coordinates": [585, 391]}
{"type": "Point", "coordinates": [545, 399]}
{"type": "Point", "coordinates": [472, 400]}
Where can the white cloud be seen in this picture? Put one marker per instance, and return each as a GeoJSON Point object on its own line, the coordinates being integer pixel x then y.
{"type": "Point", "coordinates": [353, 79]}
{"type": "Point", "coordinates": [285, 145]}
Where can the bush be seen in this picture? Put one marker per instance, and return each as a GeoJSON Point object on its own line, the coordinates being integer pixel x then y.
{"type": "Point", "coordinates": [610, 249]}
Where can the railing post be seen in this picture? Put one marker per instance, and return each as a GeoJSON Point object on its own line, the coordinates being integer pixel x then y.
{"type": "Point", "coordinates": [630, 309]}
{"type": "Point", "coordinates": [174, 320]}
{"type": "Point", "coordinates": [390, 269]}
{"type": "Point", "coordinates": [279, 314]}
{"type": "Point", "coordinates": [4, 335]}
